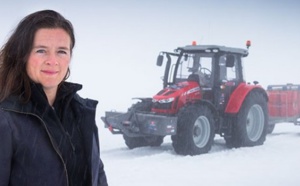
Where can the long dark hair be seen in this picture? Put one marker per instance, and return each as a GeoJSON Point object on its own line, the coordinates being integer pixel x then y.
{"type": "Point", "coordinates": [14, 54]}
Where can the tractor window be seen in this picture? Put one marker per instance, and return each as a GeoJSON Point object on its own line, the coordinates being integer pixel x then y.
{"type": "Point", "coordinates": [200, 64]}
{"type": "Point", "coordinates": [205, 71]}
{"type": "Point", "coordinates": [228, 68]}
{"type": "Point", "coordinates": [186, 67]}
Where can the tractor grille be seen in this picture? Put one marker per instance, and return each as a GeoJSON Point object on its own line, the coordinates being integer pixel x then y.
{"type": "Point", "coordinates": [158, 105]}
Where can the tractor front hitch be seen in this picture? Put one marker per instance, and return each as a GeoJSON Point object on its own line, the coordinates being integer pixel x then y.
{"type": "Point", "coordinates": [135, 124]}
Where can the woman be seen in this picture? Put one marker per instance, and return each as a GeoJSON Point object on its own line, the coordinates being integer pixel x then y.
{"type": "Point", "coordinates": [48, 134]}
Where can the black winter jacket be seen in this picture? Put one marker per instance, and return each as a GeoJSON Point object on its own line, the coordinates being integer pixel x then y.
{"type": "Point", "coordinates": [29, 151]}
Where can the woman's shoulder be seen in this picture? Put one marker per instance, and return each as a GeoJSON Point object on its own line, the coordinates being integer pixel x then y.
{"type": "Point", "coordinates": [74, 87]}
{"type": "Point", "coordinates": [87, 102]}
{"type": "Point", "coordinates": [5, 106]}
{"type": "Point", "coordinates": [11, 101]}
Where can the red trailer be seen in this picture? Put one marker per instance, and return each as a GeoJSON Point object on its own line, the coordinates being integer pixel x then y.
{"type": "Point", "coordinates": [284, 104]}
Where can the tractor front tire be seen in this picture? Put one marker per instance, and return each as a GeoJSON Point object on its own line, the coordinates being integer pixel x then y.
{"type": "Point", "coordinates": [251, 124]}
{"type": "Point", "coordinates": [195, 130]}
{"type": "Point", "coordinates": [134, 142]}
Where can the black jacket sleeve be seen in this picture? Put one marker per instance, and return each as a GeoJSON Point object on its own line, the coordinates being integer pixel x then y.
{"type": "Point", "coordinates": [6, 149]}
{"type": "Point", "coordinates": [102, 176]}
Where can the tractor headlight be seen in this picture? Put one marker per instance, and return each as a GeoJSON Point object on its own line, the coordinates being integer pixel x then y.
{"type": "Point", "coordinates": [168, 100]}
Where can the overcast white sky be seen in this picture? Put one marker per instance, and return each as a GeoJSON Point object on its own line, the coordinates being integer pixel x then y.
{"type": "Point", "coordinates": [118, 41]}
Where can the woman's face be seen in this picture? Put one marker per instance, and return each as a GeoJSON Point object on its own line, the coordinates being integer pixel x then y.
{"type": "Point", "coordinates": [49, 58]}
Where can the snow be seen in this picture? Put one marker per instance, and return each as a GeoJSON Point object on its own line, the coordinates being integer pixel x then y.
{"type": "Point", "coordinates": [275, 163]}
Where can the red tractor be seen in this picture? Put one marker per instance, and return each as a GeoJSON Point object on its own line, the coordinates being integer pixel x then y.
{"type": "Point", "coordinates": [204, 93]}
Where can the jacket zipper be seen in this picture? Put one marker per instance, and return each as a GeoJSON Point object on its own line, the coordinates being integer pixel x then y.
{"type": "Point", "coordinates": [51, 140]}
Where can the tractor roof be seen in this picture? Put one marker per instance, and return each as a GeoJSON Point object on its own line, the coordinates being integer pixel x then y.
{"type": "Point", "coordinates": [214, 48]}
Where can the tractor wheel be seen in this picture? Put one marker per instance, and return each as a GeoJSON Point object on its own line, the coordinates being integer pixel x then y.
{"type": "Point", "coordinates": [154, 141]}
{"type": "Point", "coordinates": [134, 142]}
{"type": "Point", "coordinates": [270, 128]}
{"type": "Point", "coordinates": [250, 126]}
{"type": "Point", "coordinates": [195, 132]}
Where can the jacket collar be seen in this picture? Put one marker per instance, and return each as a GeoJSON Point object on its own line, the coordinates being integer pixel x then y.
{"type": "Point", "coordinates": [38, 101]}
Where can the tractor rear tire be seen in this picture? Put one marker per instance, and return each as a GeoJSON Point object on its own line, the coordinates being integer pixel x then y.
{"type": "Point", "coordinates": [271, 128]}
{"type": "Point", "coordinates": [195, 130]}
{"type": "Point", "coordinates": [251, 124]}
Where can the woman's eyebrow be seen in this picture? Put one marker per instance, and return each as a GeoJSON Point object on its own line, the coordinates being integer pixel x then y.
{"type": "Point", "coordinates": [64, 48]}
{"type": "Point", "coordinates": [39, 46]}
{"type": "Point", "coordinates": [43, 46]}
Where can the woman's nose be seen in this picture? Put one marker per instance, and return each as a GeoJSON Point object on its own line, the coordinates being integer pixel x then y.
{"type": "Point", "coordinates": [52, 59]}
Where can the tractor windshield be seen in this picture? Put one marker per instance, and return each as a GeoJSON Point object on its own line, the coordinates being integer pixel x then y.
{"type": "Point", "coordinates": [198, 64]}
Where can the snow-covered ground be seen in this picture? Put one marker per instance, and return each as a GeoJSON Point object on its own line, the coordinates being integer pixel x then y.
{"type": "Point", "coordinates": [276, 163]}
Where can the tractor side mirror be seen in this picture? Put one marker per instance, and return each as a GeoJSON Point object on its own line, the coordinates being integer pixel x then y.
{"type": "Point", "coordinates": [160, 60]}
{"type": "Point", "coordinates": [230, 61]}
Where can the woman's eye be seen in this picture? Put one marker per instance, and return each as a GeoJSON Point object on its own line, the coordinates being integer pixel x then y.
{"type": "Point", "coordinates": [62, 52]}
{"type": "Point", "coordinates": [40, 51]}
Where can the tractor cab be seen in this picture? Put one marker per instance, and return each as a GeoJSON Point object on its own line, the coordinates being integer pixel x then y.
{"type": "Point", "coordinates": [217, 71]}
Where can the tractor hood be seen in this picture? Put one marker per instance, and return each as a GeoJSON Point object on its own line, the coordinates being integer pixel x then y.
{"type": "Point", "coordinates": [174, 96]}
